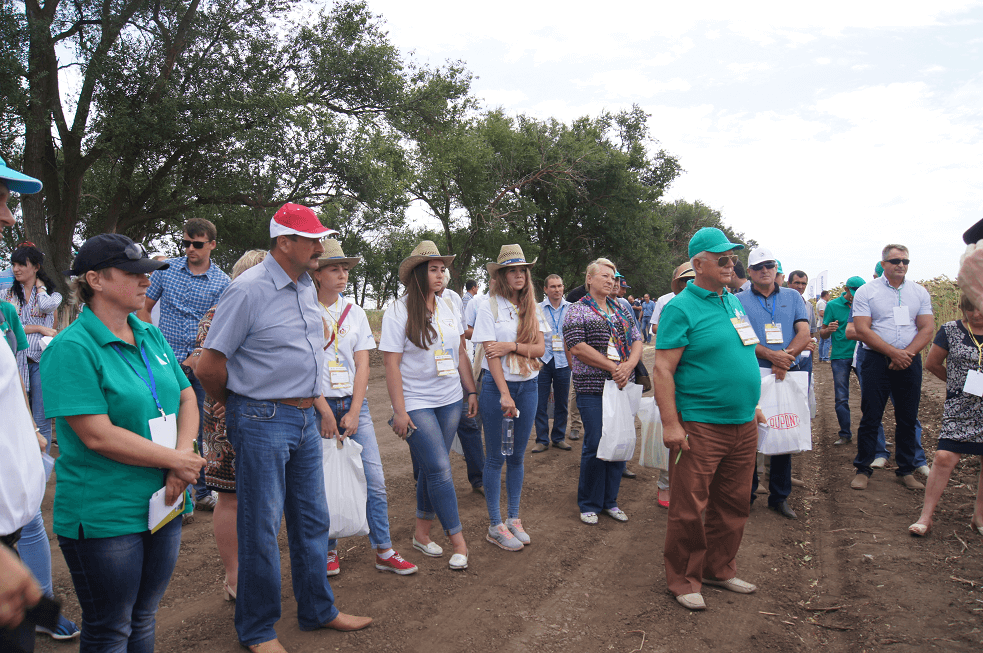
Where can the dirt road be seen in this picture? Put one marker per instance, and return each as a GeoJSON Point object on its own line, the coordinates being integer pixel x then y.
{"type": "Point", "coordinates": [845, 576]}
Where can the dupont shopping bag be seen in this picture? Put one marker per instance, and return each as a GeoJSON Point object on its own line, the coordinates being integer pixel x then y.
{"type": "Point", "coordinates": [618, 421]}
{"type": "Point", "coordinates": [345, 487]}
{"type": "Point", "coordinates": [786, 407]}
{"type": "Point", "coordinates": [654, 452]}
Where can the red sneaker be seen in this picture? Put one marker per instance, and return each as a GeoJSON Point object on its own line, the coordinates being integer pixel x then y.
{"type": "Point", "coordinates": [333, 567]}
{"type": "Point", "coordinates": [395, 564]}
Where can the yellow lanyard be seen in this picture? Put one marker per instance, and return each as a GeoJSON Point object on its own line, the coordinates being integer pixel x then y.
{"type": "Point", "coordinates": [436, 319]}
{"type": "Point", "coordinates": [334, 324]}
{"type": "Point", "coordinates": [979, 346]}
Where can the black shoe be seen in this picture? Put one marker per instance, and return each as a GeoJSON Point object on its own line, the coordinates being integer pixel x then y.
{"type": "Point", "coordinates": [628, 473]}
{"type": "Point", "coordinates": [784, 510]}
{"type": "Point", "coordinates": [562, 445]}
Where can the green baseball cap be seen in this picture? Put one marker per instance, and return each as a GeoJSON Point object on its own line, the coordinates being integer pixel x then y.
{"type": "Point", "coordinates": [779, 264]}
{"type": "Point", "coordinates": [710, 239]}
{"type": "Point", "coordinates": [878, 269]}
{"type": "Point", "coordinates": [855, 282]}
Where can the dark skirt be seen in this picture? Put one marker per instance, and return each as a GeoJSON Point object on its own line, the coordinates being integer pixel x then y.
{"type": "Point", "coordinates": [966, 448]}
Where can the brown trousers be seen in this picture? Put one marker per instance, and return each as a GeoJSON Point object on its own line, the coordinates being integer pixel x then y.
{"type": "Point", "coordinates": [713, 476]}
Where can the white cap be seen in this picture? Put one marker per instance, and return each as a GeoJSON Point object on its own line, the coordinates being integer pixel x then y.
{"type": "Point", "coordinates": [760, 255]}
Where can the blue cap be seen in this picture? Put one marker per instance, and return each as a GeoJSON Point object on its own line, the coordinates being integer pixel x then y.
{"type": "Point", "coordinates": [18, 182]}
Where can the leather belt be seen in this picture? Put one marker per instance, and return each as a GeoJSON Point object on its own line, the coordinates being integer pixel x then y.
{"type": "Point", "coordinates": [303, 403]}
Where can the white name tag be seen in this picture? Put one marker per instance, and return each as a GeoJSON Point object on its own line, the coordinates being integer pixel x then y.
{"type": "Point", "coordinates": [613, 351]}
{"type": "Point", "coordinates": [745, 331]}
{"type": "Point", "coordinates": [773, 334]}
{"type": "Point", "coordinates": [163, 431]}
{"type": "Point", "coordinates": [338, 376]}
{"type": "Point", "coordinates": [974, 383]}
{"type": "Point", "coordinates": [445, 363]}
{"type": "Point", "coordinates": [557, 343]}
{"type": "Point", "coordinates": [901, 316]}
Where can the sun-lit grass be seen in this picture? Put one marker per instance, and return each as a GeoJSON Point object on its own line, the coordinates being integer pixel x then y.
{"type": "Point", "coordinates": [375, 321]}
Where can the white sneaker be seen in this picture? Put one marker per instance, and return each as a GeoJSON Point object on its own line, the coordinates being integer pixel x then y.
{"type": "Point", "coordinates": [924, 470]}
{"type": "Point", "coordinates": [879, 463]}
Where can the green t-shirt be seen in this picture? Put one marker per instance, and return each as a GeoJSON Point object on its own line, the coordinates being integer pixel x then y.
{"type": "Point", "coordinates": [12, 323]}
{"type": "Point", "coordinates": [82, 374]}
{"type": "Point", "coordinates": [717, 379]}
{"type": "Point", "coordinates": [838, 309]}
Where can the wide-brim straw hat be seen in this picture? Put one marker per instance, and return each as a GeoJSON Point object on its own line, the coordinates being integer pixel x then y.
{"type": "Point", "coordinates": [333, 254]}
{"type": "Point", "coordinates": [425, 251]}
{"type": "Point", "coordinates": [508, 257]}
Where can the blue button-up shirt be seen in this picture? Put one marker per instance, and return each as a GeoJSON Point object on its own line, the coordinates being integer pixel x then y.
{"type": "Point", "coordinates": [184, 299]}
{"type": "Point", "coordinates": [270, 329]}
{"type": "Point", "coordinates": [554, 320]}
{"type": "Point", "coordinates": [785, 307]}
{"type": "Point", "coordinates": [877, 299]}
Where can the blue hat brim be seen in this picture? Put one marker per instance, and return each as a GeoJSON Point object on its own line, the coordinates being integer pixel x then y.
{"type": "Point", "coordinates": [18, 182]}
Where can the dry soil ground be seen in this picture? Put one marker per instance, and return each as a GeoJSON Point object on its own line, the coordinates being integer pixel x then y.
{"type": "Point", "coordinates": [845, 576]}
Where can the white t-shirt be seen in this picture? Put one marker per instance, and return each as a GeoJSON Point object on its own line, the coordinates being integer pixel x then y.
{"type": "Point", "coordinates": [21, 469]}
{"type": "Point", "coordinates": [821, 305]}
{"type": "Point", "coordinates": [354, 335]}
{"type": "Point", "coordinates": [660, 303]}
{"type": "Point", "coordinates": [455, 299]}
{"type": "Point", "coordinates": [505, 329]}
{"type": "Point", "coordinates": [471, 311]}
{"type": "Point", "coordinates": [422, 387]}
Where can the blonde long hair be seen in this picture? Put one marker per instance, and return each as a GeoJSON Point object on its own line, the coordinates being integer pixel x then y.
{"type": "Point", "coordinates": [528, 329]}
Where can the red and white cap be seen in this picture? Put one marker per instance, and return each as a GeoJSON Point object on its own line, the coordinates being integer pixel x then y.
{"type": "Point", "coordinates": [295, 219]}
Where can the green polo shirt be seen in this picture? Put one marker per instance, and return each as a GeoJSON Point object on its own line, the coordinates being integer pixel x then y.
{"type": "Point", "coordinates": [838, 309]}
{"type": "Point", "coordinates": [82, 374]}
{"type": "Point", "coordinates": [12, 323]}
{"type": "Point", "coordinates": [717, 379]}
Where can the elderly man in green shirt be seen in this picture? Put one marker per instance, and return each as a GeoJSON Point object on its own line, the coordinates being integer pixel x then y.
{"type": "Point", "coordinates": [707, 386]}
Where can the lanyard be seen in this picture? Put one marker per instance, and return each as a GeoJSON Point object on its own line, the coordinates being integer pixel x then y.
{"type": "Point", "coordinates": [150, 384]}
{"type": "Point", "coordinates": [335, 327]}
{"type": "Point", "coordinates": [764, 304]}
{"type": "Point", "coordinates": [979, 345]}
{"type": "Point", "coordinates": [556, 326]}
{"type": "Point", "coordinates": [436, 318]}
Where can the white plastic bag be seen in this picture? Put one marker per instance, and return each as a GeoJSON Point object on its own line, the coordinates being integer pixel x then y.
{"type": "Point", "coordinates": [654, 453]}
{"type": "Point", "coordinates": [345, 487]}
{"type": "Point", "coordinates": [456, 445]}
{"type": "Point", "coordinates": [786, 407]}
{"type": "Point", "coordinates": [618, 421]}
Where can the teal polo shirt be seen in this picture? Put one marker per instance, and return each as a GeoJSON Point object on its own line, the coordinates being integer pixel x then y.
{"type": "Point", "coordinates": [717, 379]}
{"type": "Point", "coordinates": [81, 374]}
{"type": "Point", "coordinates": [12, 323]}
{"type": "Point", "coordinates": [838, 309]}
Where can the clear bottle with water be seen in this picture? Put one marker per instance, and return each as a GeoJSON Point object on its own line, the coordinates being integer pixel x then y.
{"type": "Point", "coordinates": [508, 436]}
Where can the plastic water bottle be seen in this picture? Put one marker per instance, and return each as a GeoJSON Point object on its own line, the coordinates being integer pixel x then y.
{"type": "Point", "coordinates": [508, 436]}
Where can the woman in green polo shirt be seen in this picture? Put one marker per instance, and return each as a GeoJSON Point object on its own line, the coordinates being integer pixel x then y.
{"type": "Point", "coordinates": [126, 419]}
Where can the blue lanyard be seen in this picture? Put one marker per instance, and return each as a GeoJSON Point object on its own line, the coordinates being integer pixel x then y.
{"type": "Point", "coordinates": [556, 327]}
{"type": "Point", "coordinates": [764, 304]}
{"type": "Point", "coordinates": [150, 384]}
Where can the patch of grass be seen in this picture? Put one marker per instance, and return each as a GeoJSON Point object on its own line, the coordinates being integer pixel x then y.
{"type": "Point", "coordinates": [375, 321]}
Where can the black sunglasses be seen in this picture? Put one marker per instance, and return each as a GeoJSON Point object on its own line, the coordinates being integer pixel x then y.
{"type": "Point", "coordinates": [762, 266]}
{"type": "Point", "coordinates": [724, 260]}
{"type": "Point", "coordinates": [898, 261]}
{"type": "Point", "coordinates": [197, 244]}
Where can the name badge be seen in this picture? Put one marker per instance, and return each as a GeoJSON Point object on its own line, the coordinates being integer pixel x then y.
{"type": "Point", "coordinates": [613, 350]}
{"type": "Point", "coordinates": [163, 431]}
{"type": "Point", "coordinates": [773, 334]}
{"type": "Point", "coordinates": [445, 363]}
{"type": "Point", "coordinates": [557, 341]}
{"type": "Point", "coordinates": [901, 316]}
{"type": "Point", "coordinates": [745, 331]}
{"type": "Point", "coordinates": [338, 375]}
{"type": "Point", "coordinates": [974, 383]}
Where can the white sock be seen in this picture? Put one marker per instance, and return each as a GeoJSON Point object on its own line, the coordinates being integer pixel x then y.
{"type": "Point", "coordinates": [388, 554]}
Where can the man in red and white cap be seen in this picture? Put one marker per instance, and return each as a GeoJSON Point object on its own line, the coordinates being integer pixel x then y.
{"type": "Point", "coordinates": [262, 359]}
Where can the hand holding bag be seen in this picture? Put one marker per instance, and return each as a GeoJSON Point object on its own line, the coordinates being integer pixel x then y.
{"type": "Point", "coordinates": [618, 421]}
{"type": "Point", "coordinates": [786, 408]}
{"type": "Point", "coordinates": [345, 487]}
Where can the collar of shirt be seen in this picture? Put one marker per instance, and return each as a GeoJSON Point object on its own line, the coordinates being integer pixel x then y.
{"type": "Point", "coordinates": [778, 289]}
{"type": "Point", "coordinates": [280, 278]}
{"type": "Point", "coordinates": [182, 264]}
{"type": "Point", "coordinates": [101, 333]}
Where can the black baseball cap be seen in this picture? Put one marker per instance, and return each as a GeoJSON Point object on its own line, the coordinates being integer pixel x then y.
{"type": "Point", "coordinates": [113, 251]}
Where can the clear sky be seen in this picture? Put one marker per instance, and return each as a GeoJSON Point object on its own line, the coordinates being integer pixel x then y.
{"type": "Point", "coordinates": [822, 130]}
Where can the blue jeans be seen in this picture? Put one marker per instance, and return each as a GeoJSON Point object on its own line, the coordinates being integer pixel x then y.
{"type": "Point", "coordinates": [377, 505]}
{"type": "Point", "coordinates": [278, 470]}
{"type": "Point", "coordinates": [841, 390]}
{"type": "Point", "coordinates": [646, 332]}
{"type": "Point", "coordinates": [430, 445]}
{"type": "Point", "coordinates": [35, 551]}
{"type": "Point", "coordinates": [35, 396]}
{"type": "Point", "coordinates": [120, 582]}
{"type": "Point", "coordinates": [878, 383]}
{"type": "Point", "coordinates": [600, 480]}
{"type": "Point", "coordinates": [525, 395]}
{"type": "Point", "coordinates": [199, 490]}
{"type": "Point", "coordinates": [825, 347]}
{"type": "Point", "coordinates": [469, 433]}
{"type": "Point", "coordinates": [881, 450]}
{"type": "Point", "coordinates": [557, 379]}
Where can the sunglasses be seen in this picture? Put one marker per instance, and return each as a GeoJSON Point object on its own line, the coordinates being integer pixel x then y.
{"type": "Point", "coordinates": [197, 244]}
{"type": "Point", "coordinates": [898, 261]}
{"type": "Point", "coordinates": [135, 252]}
{"type": "Point", "coordinates": [762, 266]}
{"type": "Point", "coordinates": [724, 260]}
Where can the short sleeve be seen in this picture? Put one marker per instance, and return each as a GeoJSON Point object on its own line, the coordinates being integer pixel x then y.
{"type": "Point", "coordinates": [827, 317]}
{"type": "Point", "coordinates": [13, 321]}
{"type": "Point", "coordinates": [574, 331]}
{"type": "Point", "coordinates": [366, 340]}
{"type": "Point", "coordinates": [925, 308]}
{"type": "Point", "coordinates": [471, 313]}
{"type": "Point", "coordinates": [861, 303]}
{"type": "Point", "coordinates": [484, 324]}
{"type": "Point", "coordinates": [393, 328]}
{"type": "Point", "coordinates": [68, 364]}
{"type": "Point", "coordinates": [156, 288]}
{"type": "Point", "coordinates": [673, 330]}
{"type": "Point", "coordinates": [543, 326]}
{"type": "Point", "coordinates": [230, 324]}
{"type": "Point", "coordinates": [942, 339]}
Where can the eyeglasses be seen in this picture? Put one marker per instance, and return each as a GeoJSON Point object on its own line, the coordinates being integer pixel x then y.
{"type": "Point", "coordinates": [197, 244]}
{"type": "Point", "coordinates": [732, 259]}
{"type": "Point", "coordinates": [135, 252]}
{"type": "Point", "coordinates": [768, 265]}
{"type": "Point", "coordinates": [898, 261]}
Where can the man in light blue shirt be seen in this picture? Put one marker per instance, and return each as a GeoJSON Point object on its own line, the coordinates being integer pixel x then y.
{"type": "Point", "coordinates": [893, 319]}
{"type": "Point", "coordinates": [648, 308]}
{"type": "Point", "coordinates": [555, 374]}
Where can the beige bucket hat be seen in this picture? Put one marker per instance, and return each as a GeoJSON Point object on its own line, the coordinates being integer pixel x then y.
{"type": "Point", "coordinates": [510, 256]}
{"type": "Point", "coordinates": [425, 251]}
{"type": "Point", "coordinates": [333, 254]}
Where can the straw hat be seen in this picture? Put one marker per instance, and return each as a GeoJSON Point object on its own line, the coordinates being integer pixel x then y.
{"type": "Point", "coordinates": [333, 254]}
{"type": "Point", "coordinates": [510, 256]}
{"type": "Point", "coordinates": [425, 251]}
{"type": "Point", "coordinates": [682, 274]}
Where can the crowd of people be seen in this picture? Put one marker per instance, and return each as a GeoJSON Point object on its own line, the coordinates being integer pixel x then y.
{"type": "Point", "coordinates": [228, 404]}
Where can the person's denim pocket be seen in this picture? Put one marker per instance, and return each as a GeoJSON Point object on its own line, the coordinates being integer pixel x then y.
{"type": "Point", "coordinates": [260, 411]}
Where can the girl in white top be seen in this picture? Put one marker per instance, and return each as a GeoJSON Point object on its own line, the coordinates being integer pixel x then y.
{"type": "Point", "coordinates": [422, 346]}
{"type": "Point", "coordinates": [511, 328]}
{"type": "Point", "coordinates": [343, 407]}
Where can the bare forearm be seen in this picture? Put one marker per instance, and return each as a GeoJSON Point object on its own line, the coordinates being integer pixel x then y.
{"type": "Point", "coordinates": [394, 383]}
{"type": "Point", "coordinates": [187, 419]}
{"type": "Point", "coordinates": [590, 356]}
{"type": "Point", "coordinates": [213, 373]}
{"type": "Point", "coordinates": [800, 341]}
{"type": "Point", "coordinates": [921, 340]}
{"type": "Point", "coordinates": [116, 443]}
